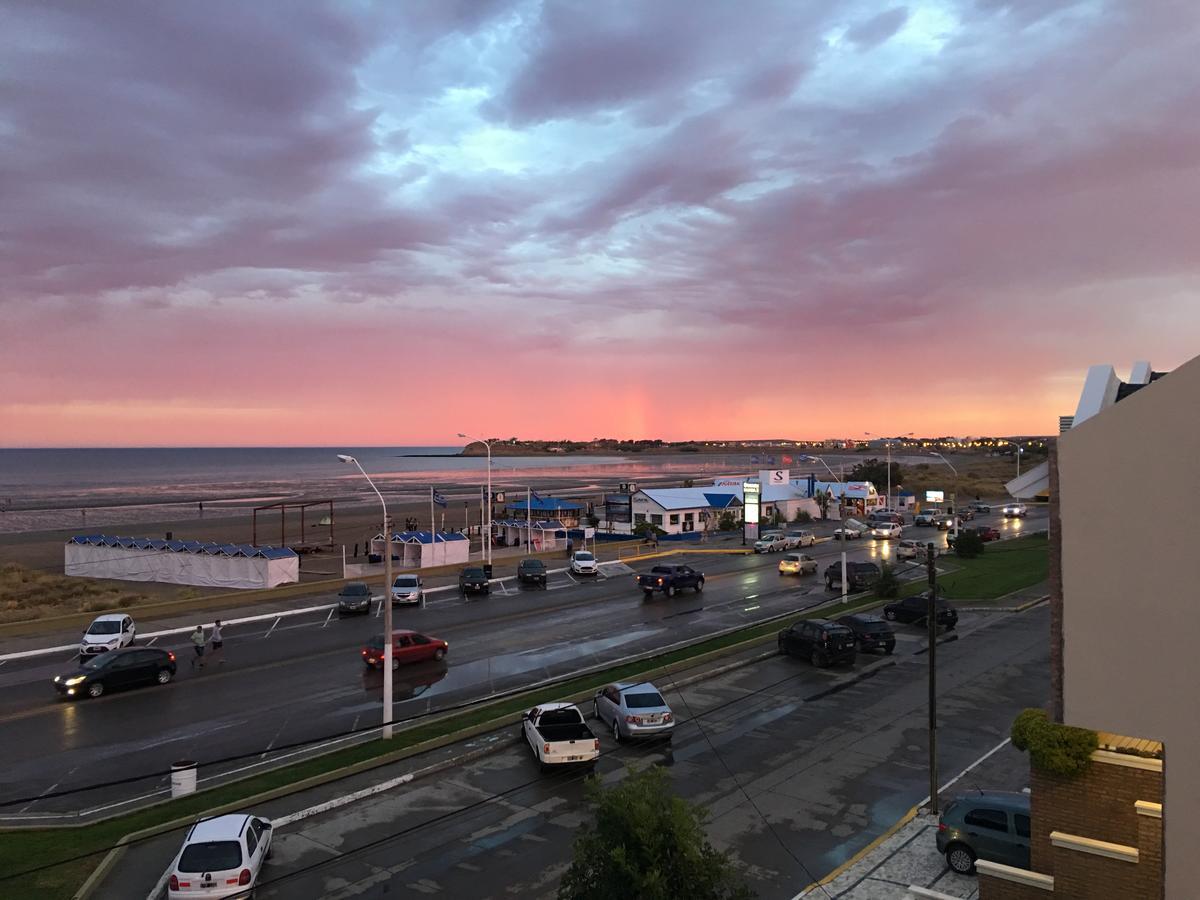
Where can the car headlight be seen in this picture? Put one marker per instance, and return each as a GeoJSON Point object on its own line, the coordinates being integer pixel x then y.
{"type": "Point", "coordinates": [76, 680]}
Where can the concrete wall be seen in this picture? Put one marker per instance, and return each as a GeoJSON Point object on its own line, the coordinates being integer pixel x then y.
{"type": "Point", "coordinates": [1129, 479]}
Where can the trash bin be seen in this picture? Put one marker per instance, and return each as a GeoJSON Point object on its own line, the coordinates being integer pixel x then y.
{"type": "Point", "coordinates": [183, 778]}
{"type": "Point", "coordinates": [487, 570]}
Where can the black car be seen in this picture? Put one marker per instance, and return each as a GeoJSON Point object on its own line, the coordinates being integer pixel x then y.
{"type": "Point", "coordinates": [859, 576]}
{"type": "Point", "coordinates": [916, 610]}
{"type": "Point", "coordinates": [966, 514]}
{"type": "Point", "coordinates": [822, 642]}
{"type": "Point", "coordinates": [117, 669]}
{"type": "Point", "coordinates": [980, 507]}
{"type": "Point", "coordinates": [871, 632]}
{"type": "Point", "coordinates": [531, 571]}
{"type": "Point", "coordinates": [354, 598]}
{"type": "Point", "coordinates": [473, 580]}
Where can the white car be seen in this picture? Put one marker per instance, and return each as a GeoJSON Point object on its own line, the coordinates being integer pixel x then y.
{"type": "Point", "coordinates": [109, 632]}
{"type": "Point", "coordinates": [886, 530]}
{"type": "Point", "coordinates": [583, 562]}
{"type": "Point", "coordinates": [851, 532]}
{"type": "Point", "coordinates": [769, 543]}
{"type": "Point", "coordinates": [801, 539]}
{"type": "Point", "coordinates": [220, 857]}
{"type": "Point", "coordinates": [408, 589]}
{"type": "Point", "coordinates": [913, 550]}
{"type": "Point", "coordinates": [797, 564]}
{"type": "Point", "coordinates": [1015, 511]}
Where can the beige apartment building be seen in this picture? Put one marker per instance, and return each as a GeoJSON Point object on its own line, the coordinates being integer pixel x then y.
{"type": "Point", "coordinates": [1125, 648]}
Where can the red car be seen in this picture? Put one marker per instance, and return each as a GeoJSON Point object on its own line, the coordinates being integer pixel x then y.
{"type": "Point", "coordinates": [407, 647]}
{"type": "Point", "coordinates": [987, 533]}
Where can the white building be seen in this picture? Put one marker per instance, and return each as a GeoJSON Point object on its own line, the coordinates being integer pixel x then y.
{"type": "Point", "coordinates": [685, 510]}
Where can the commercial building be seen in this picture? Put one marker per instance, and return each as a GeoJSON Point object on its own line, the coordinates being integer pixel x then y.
{"type": "Point", "coordinates": [1124, 632]}
{"type": "Point", "coordinates": [683, 511]}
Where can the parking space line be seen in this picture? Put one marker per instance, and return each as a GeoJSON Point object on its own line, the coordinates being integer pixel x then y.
{"type": "Point", "coordinates": [328, 617]}
{"type": "Point", "coordinates": [379, 612]}
{"type": "Point", "coordinates": [150, 643]}
{"type": "Point", "coordinates": [272, 628]}
{"type": "Point", "coordinates": [573, 581]}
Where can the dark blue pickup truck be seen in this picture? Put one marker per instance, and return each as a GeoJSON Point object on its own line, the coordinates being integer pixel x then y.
{"type": "Point", "coordinates": [670, 580]}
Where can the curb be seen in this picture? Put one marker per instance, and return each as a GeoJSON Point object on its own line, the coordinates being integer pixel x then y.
{"type": "Point", "coordinates": [952, 636]}
{"type": "Point", "coordinates": [846, 682]}
{"type": "Point", "coordinates": [857, 857]}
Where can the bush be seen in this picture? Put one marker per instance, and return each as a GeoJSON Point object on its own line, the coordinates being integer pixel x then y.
{"type": "Point", "coordinates": [593, 520]}
{"type": "Point", "coordinates": [968, 544]}
{"type": "Point", "coordinates": [887, 585]}
{"type": "Point", "coordinates": [726, 522]}
{"type": "Point", "coordinates": [802, 517]}
{"type": "Point", "coordinates": [1054, 749]}
{"type": "Point", "coordinates": [645, 529]}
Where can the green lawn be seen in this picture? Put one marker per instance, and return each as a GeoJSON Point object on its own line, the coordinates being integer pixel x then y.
{"type": "Point", "coordinates": [27, 848]}
{"type": "Point", "coordinates": [1004, 567]}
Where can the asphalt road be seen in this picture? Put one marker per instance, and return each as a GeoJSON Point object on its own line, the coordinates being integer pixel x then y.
{"type": "Point", "coordinates": [301, 679]}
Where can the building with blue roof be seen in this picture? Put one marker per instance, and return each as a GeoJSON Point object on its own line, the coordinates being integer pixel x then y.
{"type": "Point", "coordinates": [199, 563]}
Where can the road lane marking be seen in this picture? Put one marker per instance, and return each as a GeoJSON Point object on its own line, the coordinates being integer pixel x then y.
{"type": "Point", "coordinates": [150, 643]}
{"type": "Point", "coordinates": [328, 617]}
{"type": "Point", "coordinates": [39, 796]}
{"type": "Point", "coordinates": [272, 628]}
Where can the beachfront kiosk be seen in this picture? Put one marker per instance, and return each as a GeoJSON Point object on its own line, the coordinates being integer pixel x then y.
{"type": "Point", "coordinates": [421, 549]}
{"type": "Point", "coordinates": [197, 563]}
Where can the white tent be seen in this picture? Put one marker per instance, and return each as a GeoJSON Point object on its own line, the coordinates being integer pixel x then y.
{"type": "Point", "coordinates": [419, 549]}
{"type": "Point", "coordinates": [180, 562]}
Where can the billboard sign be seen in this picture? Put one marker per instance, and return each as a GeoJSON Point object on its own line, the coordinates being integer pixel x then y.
{"type": "Point", "coordinates": [935, 496]}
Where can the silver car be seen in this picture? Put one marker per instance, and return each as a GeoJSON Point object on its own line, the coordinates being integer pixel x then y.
{"type": "Point", "coordinates": [634, 710]}
{"type": "Point", "coordinates": [802, 538]}
{"type": "Point", "coordinates": [408, 589]}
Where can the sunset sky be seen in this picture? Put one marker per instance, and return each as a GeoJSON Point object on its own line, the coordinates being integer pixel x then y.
{"type": "Point", "coordinates": [231, 223]}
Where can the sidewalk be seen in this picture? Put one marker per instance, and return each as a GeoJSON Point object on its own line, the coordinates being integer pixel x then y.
{"type": "Point", "coordinates": [905, 864]}
{"type": "Point", "coordinates": [1015, 602]}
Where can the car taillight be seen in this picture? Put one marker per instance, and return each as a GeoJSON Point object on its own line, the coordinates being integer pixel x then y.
{"type": "Point", "coordinates": [364, 653]}
{"type": "Point", "coordinates": [596, 744]}
{"type": "Point", "coordinates": [667, 717]}
{"type": "Point", "coordinates": [170, 656]}
{"type": "Point", "coordinates": [633, 720]}
{"type": "Point", "coordinates": [244, 878]}
{"type": "Point", "coordinates": [545, 748]}
{"type": "Point", "coordinates": [174, 884]}
{"type": "Point", "coordinates": [942, 826]}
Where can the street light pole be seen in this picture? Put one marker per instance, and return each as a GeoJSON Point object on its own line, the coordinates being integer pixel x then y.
{"type": "Point", "coordinates": [888, 444]}
{"type": "Point", "coordinates": [487, 537]}
{"type": "Point", "coordinates": [955, 471]}
{"type": "Point", "coordinates": [1018, 453]}
{"type": "Point", "coordinates": [845, 590]}
{"type": "Point", "coordinates": [387, 602]}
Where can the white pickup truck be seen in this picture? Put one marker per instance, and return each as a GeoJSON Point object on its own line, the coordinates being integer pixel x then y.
{"type": "Point", "coordinates": [558, 735]}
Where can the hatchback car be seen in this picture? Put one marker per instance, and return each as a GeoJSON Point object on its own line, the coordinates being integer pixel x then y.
{"type": "Point", "coordinates": [1015, 511]}
{"type": "Point", "coordinates": [531, 571]}
{"type": "Point", "coordinates": [354, 599]}
{"type": "Point", "coordinates": [634, 710]}
{"type": "Point", "coordinates": [772, 542]}
{"type": "Point", "coordinates": [990, 825]}
{"type": "Point", "coordinates": [583, 562]}
{"type": "Point", "coordinates": [801, 538]}
{"type": "Point", "coordinates": [797, 564]}
{"type": "Point", "coordinates": [407, 647]}
{"type": "Point", "coordinates": [220, 857]}
{"type": "Point", "coordinates": [913, 550]}
{"type": "Point", "coordinates": [117, 669]}
{"type": "Point", "coordinates": [408, 589]}
{"type": "Point", "coordinates": [820, 641]}
{"type": "Point", "coordinates": [886, 530]}
{"type": "Point", "coordinates": [851, 530]}
{"type": "Point", "coordinates": [871, 632]}
{"type": "Point", "coordinates": [473, 580]}
{"type": "Point", "coordinates": [107, 632]}
{"type": "Point", "coordinates": [915, 610]}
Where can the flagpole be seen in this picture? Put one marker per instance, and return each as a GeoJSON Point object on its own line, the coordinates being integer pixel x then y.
{"type": "Point", "coordinates": [529, 518]}
{"type": "Point", "coordinates": [432, 527]}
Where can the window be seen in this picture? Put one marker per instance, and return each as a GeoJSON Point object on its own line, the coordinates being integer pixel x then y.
{"type": "Point", "coordinates": [420, 639]}
{"type": "Point", "coordinates": [638, 518]}
{"type": "Point", "coordinates": [208, 856]}
{"type": "Point", "coordinates": [689, 517]}
{"type": "Point", "coordinates": [655, 519]}
{"type": "Point", "coordinates": [1022, 821]}
{"type": "Point", "coordinates": [992, 819]}
{"type": "Point", "coordinates": [674, 518]}
{"type": "Point", "coordinates": [251, 841]}
{"type": "Point", "coordinates": [644, 700]}
{"type": "Point", "coordinates": [402, 640]}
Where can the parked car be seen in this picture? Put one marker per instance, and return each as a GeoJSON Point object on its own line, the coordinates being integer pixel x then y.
{"type": "Point", "coordinates": [408, 589]}
{"type": "Point", "coordinates": [634, 710]}
{"type": "Point", "coordinates": [220, 857]}
{"type": "Point", "coordinates": [859, 576]}
{"type": "Point", "coordinates": [772, 542]}
{"type": "Point", "coordinates": [871, 632]}
{"type": "Point", "coordinates": [531, 571]}
{"type": "Point", "coordinates": [913, 550]}
{"type": "Point", "coordinates": [948, 522]}
{"type": "Point", "coordinates": [915, 609]}
{"type": "Point", "coordinates": [886, 530]}
{"type": "Point", "coordinates": [820, 641]}
{"type": "Point", "coordinates": [851, 530]}
{"type": "Point", "coordinates": [354, 599]}
{"type": "Point", "coordinates": [797, 564]}
{"type": "Point", "coordinates": [928, 517]}
{"type": "Point", "coordinates": [670, 580]}
{"type": "Point", "coordinates": [407, 647]}
{"type": "Point", "coordinates": [979, 506]}
{"type": "Point", "coordinates": [583, 562]}
{"type": "Point", "coordinates": [473, 580]}
{"type": "Point", "coordinates": [801, 539]}
{"type": "Point", "coordinates": [127, 667]}
{"type": "Point", "coordinates": [111, 631]}
{"type": "Point", "coordinates": [558, 735]}
{"type": "Point", "coordinates": [1015, 511]}
{"type": "Point", "coordinates": [991, 825]}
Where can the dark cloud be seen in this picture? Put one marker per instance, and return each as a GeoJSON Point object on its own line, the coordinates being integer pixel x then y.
{"type": "Point", "coordinates": [877, 29]}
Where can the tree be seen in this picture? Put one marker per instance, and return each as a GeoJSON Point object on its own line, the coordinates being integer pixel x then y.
{"type": "Point", "coordinates": [647, 843]}
{"type": "Point", "coordinates": [887, 585]}
{"type": "Point", "coordinates": [968, 544]}
{"type": "Point", "coordinates": [726, 522]}
{"type": "Point", "coordinates": [802, 517]}
{"type": "Point", "coordinates": [876, 472]}
{"type": "Point", "coordinates": [823, 499]}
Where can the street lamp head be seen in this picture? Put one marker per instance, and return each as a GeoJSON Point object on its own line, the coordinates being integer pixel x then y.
{"type": "Point", "coordinates": [346, 459]}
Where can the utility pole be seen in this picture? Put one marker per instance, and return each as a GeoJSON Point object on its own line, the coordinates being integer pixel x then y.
{"type": "Point", "coordinates": [931, 620]}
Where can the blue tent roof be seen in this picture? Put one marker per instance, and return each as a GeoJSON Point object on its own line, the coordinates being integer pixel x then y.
{"type": "Point", "coordinates": [209, 547]}
{"type": "Point", "coordinates": [546, 504]}
{"type": "Point", "coordinates": [720, 501]}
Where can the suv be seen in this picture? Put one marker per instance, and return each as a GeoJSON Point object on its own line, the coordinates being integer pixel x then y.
{"type": "Point", "coordinates": [991, 825]}
{"type": "Point", "coordinates": [219, 853]}
{"type": "Point", "coordinates": [916, 610]}
{"type": "Point", "coordinates": [885, 515]}
{"type": "Point", "coordinates": [859, 576]}
{"type": "Point", "coordinates": [473, 580]}
{"type": "Point", "coordinates": [1015, 511]}
{"type": "Point", "coordinates": [822, 642]}
{"type": "Point", "coordinates": [871, 632]}
{"type": "Point", "coordinates": [531, 571]}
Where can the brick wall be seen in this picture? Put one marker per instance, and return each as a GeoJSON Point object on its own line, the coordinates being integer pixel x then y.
{"type": "Point", "coordinates": [1150, 856]}
{"type": "Point", "coordinates": [998, 889]}
{"type": "Point", "coordinates": [1086, 876]}
{"type": "Point", "coordinates": [1099, 804]}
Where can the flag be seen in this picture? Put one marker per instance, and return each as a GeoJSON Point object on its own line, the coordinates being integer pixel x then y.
{"type": "Point", "coordinates": [787, 460]}
{"type": "Point", "coordinates": [754, 460]}
{"type": "Point", "coordinates": [770, 460]}
{"type": "Point", "coordinates": [439, 499]}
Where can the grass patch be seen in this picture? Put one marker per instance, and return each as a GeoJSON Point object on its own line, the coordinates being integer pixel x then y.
{"type": "Point", "coordinates": [1002, 568]}
{"type": "Point", "coordinates": [27, 594]}
{"type": "Point", "coordinates": [23, 849]}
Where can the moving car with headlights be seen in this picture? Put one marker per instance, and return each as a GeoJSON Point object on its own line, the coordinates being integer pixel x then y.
{"type": "Point", "coordinates": [583, 562]}
{"type": "Point", "coordinates": [871, 632]}
{"type": "Point", "coordinates": [221, 857]}
{"type": "Point", "coordinates": [354, 599]}
{"type": "Point", "coordinates": [797, 564]}
{"type": "Point", "coordinates": [859, 576]}
{"type": "Point", "coordinates": [670, 580]}
{"type": "Point", "coordinates": [886, 530]}
{"type": "Point", "coordinates": [1015, 511]}
{"type": "Point", "coordinates": [407, 647]}
{"type": "Point", "coordinates": [531, 571]}
{"type": "Point", "coordinates": [820, 641]}
{"type": "Point", "coordinates": [408, 589]}
{"type": "Point", "coordinates": [915, 610]}
{"type": "Point", "coordinates": [558, 736]}
{"type": "Point", "coordinates": [128, 667]}
{"type": "Point", "coordinates": [473, 580]}
{"type": "Point", "coordinates": [948, 522]}
{"type": "Point", "coordinates": [634, 710]}
{"type": "Point", "coordinates": [108, 632]}
{"type": "Point", "coordinates": [990, 825]}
